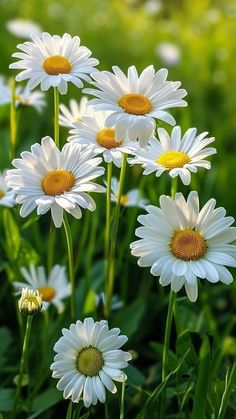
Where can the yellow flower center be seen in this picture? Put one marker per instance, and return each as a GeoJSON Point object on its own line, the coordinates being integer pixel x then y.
{"type": "Point", "coordinates": [1, 194]}
{"type": "Point", "coordinates": [188, 245]}
{"type": "Point", "coordinates": [47, 293]}
{"type": "Point", "coordinates": [123, 199]}
{"type": "Point", "coordinates": [89, 361]}
{"type": "Point", "coordinates": [173, 159]}
{"type": "Point", "coordinates": [106, 138]}
{"type": "Point", "coordinates": [135, 104]}
{"type": "Point", "coordinates": [57, 182]}
{"type": "Point", "coordinates": [56, 64]}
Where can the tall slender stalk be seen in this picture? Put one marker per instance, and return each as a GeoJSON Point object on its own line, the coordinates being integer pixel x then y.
{"type": "Point", "coordinates": [167, 335]}
{"type": "Point", "coordinates": [122, 402]}
{"type": "Point", "coordinates": [51, 246]}
{"type": "Point", "coordinates": [110, 267]}
{"type": "Point", "coordinates": [13, 124]}
{"type": "Point", "coordinates": [70, 263]}
{"type": "Point", "coordinates": [22, 363]}
{"type": "Point", "coordinates": [171, 306]}
{"type": "Point", "coordinates": [108, 211]}
{"type": "Point", "coordinates": [56, 117]}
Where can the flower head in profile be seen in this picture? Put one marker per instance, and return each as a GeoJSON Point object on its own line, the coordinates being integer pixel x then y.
{"type": "Point", "coordinates": [30, 302]}
{"type": "Point", "coordinates": [182, 243]}
{"type": "Point", "coordinates": [175, 155]}
{"type": "Point", "coordinates": [136, 100]}
{"type": "Point", "coordinates": [49, 179]}
{"type": "Point", "coordinates": [53, 61]}
{"type": "Point", "coordinates": [53, 288]}
{"type": "Point", "coordinates": [93, 130]}
{"type": "Point", "coordinates": [23, 96]}
{"type": "Point", "coordinates": [7, 196]}
{"type": "Point", "coordinates": [133, 198]}
{"type": "Point", "coordinates": [22, 28]}
{"type": "Point", "coordinates": [74, 113]}
{"type": "Point", "coordinates": [88, 359]}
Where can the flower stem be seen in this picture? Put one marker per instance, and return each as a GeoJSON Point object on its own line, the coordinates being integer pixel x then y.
{"type": "Point", "coordinates": [122, 402]}
{"type": "Point", "coordinates": [167, 335]}
{"type": "Point", "coordinates": [110, 265]}
{"type": "Point", "coordinates": [108, 211]}
{"type": "Point", "coordinates": [70, 262]}
{"type": "Point", "coordinates": [13, 124]}
{"type": "Point", "coordinates": [56, 116]}
{"type": "Point", "coordinates": [174, 186]}
{"type": "Point", "coordinates": [106, 410]}
{"type": "Point", "coordinates": [22, 363]}
{"type": "Point", "coordinates": [51, 246]}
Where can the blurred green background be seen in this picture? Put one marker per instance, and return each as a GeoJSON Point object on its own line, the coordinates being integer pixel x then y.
{"type": "Point", "coordinates": [201, 35]}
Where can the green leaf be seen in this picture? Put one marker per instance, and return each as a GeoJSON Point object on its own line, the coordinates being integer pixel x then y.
{"type": "Point", "coordinates": [201, 389]}
{"type": "Point", "coordinates": [129, 317]}
{"type": "Point", "coordinates": [6, 399]}
{"type": "Point", "coordinates": [144, 413]}
{"type": "Point", "coordinates": [44, 401]}
{"type": "Point", "coordinates": [12, 233]}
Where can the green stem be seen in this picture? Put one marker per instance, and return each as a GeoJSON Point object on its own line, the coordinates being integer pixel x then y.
{"type": "Point", "coordinates": [13, 120]}
{"type": "Point", "coordinates": [228, 387]}
{"type": "Point", "coordinates": [106, 410]}
{"type": "Point", "coordinates": [122, 401]}
{"type": "Point", "coordinates": [108, 211]}
{"type": "Point", "coordinates": [22, 363]}
{"type": "Point", "coordinates": [174, 187]}
{"type": "Point", "coordinates": [110, 265]}
{"type": "Point", "coordinates": [56, 116]}
{"type": "Point", "coordinates": [167, 335]}
{"type": "Point", "coordinates": [51, 246]}
{"type": "Point", "coordinates": [70, 262]}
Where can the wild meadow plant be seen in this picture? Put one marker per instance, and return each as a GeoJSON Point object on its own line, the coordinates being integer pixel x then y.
{"type": "Point", "coordinates": [183, 245]}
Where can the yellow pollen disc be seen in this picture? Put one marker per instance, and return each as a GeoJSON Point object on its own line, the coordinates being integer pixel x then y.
{"type": "Point", "coordinates": [188, 245]}
{"type": "Point", "coordinates": [57, 182]}
{"type": "Point", "coordinates": [89, 361]}
{"type": "Point", "coordinates": [106, 138]}
{"type": "Point", "coordinates": [1, 194]}
{"type": "Point", "coordinates": [135, 104]}
{"type": "Point", "coordinates": [123, 199]}
{"type": "Point", "coordinates": [56, 64]}
{"type": "Point", "coordinates": [47, 293]}
{"type": "Point", "coordinates": [173, 159]}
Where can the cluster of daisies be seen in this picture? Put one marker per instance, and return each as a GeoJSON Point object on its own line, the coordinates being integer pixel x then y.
{"type": "Point", "coordinates": [180, 242]}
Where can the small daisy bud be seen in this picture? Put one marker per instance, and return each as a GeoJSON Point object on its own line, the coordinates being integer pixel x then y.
{"type": "Point", "coordinates": [30, 302]}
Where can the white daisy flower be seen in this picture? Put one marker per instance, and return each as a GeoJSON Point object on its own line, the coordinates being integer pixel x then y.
{"type": "Point", "coordinates": [53, 61]}
{"type": "Point", "coordinates": [74, 113]}
{"type": "Point", "coordinates": [169, 53]}
{"type": "Point", "coordinates": [94, 130]}
{"type": "Point", "coordinates": [136, 100]}
{"type": "Point", "coordinates": [178, 156]}
{"type": "Point", "coordinates": [23, 28]}
{"type": "Point", "coordinates": [53, 288]}
{"type": "Point", "coordinates": [181, 243]}
{"type": "Point", "coordinates": [23, 96]}
{"type": "Point", "coordinates": [55, 180]}
{"type": "Point", "coordinates": [130, 199]}
{"type": "Point", "coordinates": [88, 359]}
{"type": "Point", "coordinates": [7, 196]}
